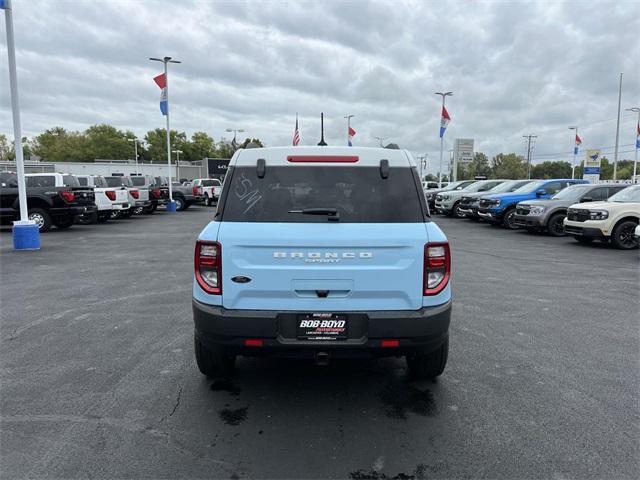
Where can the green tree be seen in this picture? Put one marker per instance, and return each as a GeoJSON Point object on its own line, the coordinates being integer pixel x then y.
{"type": "Point", "coordinates": [551, 170]}
{"type": "Point", "coordinates": [247, 141]}
{"type": "Point", "coordinates": [200, 146]}
{"type": "Point", "coordinates": [156, 140]}
{"type": "Point", "coordinates": [508, 165]}
{"type": "Point", "coordinates": [58, 145]}
{"type": "Point", "coordinates": [6, 149]}
{"type": "Point", "coordinates": [106, 141]}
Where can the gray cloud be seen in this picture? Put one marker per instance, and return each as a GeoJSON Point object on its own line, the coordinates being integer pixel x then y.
{"type": "Point", "coordinates": [515, 68]}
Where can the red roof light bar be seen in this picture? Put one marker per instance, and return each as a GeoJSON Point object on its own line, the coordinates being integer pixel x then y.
{"type": "Point", "coordinates": [322, 158]}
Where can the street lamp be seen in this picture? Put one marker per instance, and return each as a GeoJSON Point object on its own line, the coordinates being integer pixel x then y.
{"type": "Point", "coordinates": [575, 152]}
{"type": "Point", "coordinates": [379, 140]}
{"type": "Point", "coordinates": [443, 95]}
{"type": "Point", "coordinates": [235, 131]}
{"type": "Point", "coordinates": [135, 150]}
{"type": "Point", "coordinates": [349, 117]}
{"type": "Point", "coordinates": [635, 161]}
{"type": "Point", "coordinates": [177, 152]}
{"type": "Point", "coordinates": [166, 60]}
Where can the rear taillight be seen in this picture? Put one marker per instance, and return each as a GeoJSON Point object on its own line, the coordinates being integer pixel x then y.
{"type": "Point", "coordinates": [111, 195]}
{"type": "Point", "coordinates": [195, 191]}
{"type": "Point", "coordinates": [208, 266]}
{"type": "Point", "coordinates": [437, 267]}
{"type": "Point", "coordinates": [134, 193]}
{"type": "Point", "coordinates": [156, 192]}
{"type": "Point", "coordinates": [67, 196]}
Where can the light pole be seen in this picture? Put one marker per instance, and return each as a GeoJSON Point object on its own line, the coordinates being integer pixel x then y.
{"type": "Point", "coordinates": [379, 140]}
{"type": "Point", "coordinates": [235, 131]}
{"type": "Point", "coordinates": [166, 61]}
{"type": "Point", "coordinates": [177, 152]}
{"type": "Point", "coordinates": [349, 117]}
{"type": "Point", "coordinates": [26, 234]}
{"type": "Point", "coordinates": [615, 154]}
{"type": "Point", "coordinates": [635, 160]}
{"type": "Point", "coordinates": [575, 152]}
{"type": "Point", "coordinates": [135, 150]}
{"type": "Point", "coordinates": [442, 127]}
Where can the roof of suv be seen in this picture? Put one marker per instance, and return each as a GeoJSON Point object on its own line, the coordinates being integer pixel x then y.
{"type": "Point", "coordinates": [332, 156]}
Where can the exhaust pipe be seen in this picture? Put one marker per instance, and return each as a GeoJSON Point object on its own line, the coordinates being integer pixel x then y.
{"type": "Point", "coordinates": [322, 359]}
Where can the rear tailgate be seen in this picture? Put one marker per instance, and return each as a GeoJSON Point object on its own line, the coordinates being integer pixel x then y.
{"type": "Point", "coordinates": [84, 195]}
{"type": "Point", "coordinates": [291, 265]}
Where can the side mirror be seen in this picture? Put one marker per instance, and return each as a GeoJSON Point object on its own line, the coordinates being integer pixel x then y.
{"type": "Point", "coordinates": [541, 193]}
{"type": "Point", "coordinates": [586, 199]}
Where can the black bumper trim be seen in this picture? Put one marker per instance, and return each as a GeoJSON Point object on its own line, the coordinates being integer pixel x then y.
{"type": "Point", "coordinates": [421, 330]}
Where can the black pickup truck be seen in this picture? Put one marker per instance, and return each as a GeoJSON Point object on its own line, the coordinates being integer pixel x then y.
{"type": "Point", "coordinates": [48, 205]}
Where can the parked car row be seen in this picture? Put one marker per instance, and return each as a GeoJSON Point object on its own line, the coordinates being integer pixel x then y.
{"type": "Point", "coordinates": [608, 212]}
{"type": "Point", "coordinates": [60, 200]}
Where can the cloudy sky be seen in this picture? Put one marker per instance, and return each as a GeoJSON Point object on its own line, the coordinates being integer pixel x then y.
{"type": "Point", "coordinates": [515, 68]}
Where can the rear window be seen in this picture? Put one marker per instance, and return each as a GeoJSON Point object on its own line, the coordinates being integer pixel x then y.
{"type": "Point", "coordinates": [137, 181]}
{"type": "Point", "coordinates": [114, 181]}
{"type": "Point", "coordinates": [70, 181]}
{"type": "Point", "coordinates": [41, 181]}
{"type": "Point", "coordinates": [210, 183]}
{"type": "Point", "coordinates": [359, 194]}
{"type": "Point", "coordinates": [83, 181]}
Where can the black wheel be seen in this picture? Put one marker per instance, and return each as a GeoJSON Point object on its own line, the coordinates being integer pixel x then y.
{"type": "Point", "coordinates": [429, 365]}
{"type": "Point", "coordinates": [455, 211]}
{"type": "Point", "coordinates": [180, 203]}
{"type": "Point", "coordinates": [41, 217]}
{"type": "Point", "coordinates": [623, 236]}
{"type": "Point", "coordinates": [148, 210]}
{"type": "Point", "coordinates": [509, 219]}
{"type": "Point", "coordinates": [214, 363]}
{"type": "Point", "coordinates": [64, 222]}
{"type": "Point", "coordinates": [104, 217]}
{"type": "Point", "coordinates": [154, 207]}
{"type": "Point", "coordinates": [115, 214]}
{"type": "Point", "coordinates": [126, 213]}
{"type": "Point", "coordinates": [584, 239]}
{"type": "Point", "coordinates": [207, 200]}
{"type": "Point", "coordinates": [89, 219]}
{"type": "Point", "coordinates": [555, 225]}
{"type": "Point", "coordinates": [138, 210]}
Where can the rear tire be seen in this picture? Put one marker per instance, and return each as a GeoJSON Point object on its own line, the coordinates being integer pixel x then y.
{"type": "Point", "coordinates": [180, 203]}
{"type": "Point", "coordinates": [623, 237]}
{"type": "Point", "coordinates": [41, 217]}
{"type": "Point", "coordinates": [207, 200]}
{"type": "Point", "coordinates": [429, 365]}
{"type": "Point", "coordinates": [214, 363]}
{"type": "Point", "coordinates": [104, 217]}
{"type": "Point", "coordinates": [555, 225]}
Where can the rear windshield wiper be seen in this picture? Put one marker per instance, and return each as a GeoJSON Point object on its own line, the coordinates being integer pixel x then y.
{"type": "Point", "coordinates": [331, 212]}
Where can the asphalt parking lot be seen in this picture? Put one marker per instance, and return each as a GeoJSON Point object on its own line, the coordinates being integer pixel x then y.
{"type": "Point", "coordinates": [99, 378]}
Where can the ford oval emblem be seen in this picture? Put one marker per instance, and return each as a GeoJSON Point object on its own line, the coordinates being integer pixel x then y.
{"type": "Point", "coordinates": [241, 279]}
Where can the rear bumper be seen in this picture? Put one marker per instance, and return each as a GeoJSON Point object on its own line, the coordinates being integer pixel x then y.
{"type": "Point", "coordinates": [417, 331]}
{"type": "Point", "coordinates": [75, 210]}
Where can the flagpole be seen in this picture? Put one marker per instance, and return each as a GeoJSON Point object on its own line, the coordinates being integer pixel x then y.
{"type": "Point", "coordinates": [575, 146]}
{"type": "Point", "coordinates": [443, 95]}
{"type": "Point", "coordinates": [26, 234]}
{"type": "Point", "coordinates": [348, 117]}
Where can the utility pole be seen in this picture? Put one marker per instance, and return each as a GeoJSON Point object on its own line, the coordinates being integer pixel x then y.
{"type": "Point", "coordinates": [177, 152]}
{"type": "Point", "coordinates": [135, 150]}
{"type": "Point", "coordinates": [635, 160]}
{"type": "Point", "coordinates": [529, 138]}
{"type": "Point", "coordinates": [615, 154]}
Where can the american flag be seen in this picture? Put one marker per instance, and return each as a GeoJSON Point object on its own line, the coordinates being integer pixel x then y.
{"type": "Point", "coordinates": [296, 134]}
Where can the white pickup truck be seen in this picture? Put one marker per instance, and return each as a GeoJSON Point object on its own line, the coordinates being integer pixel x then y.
{"type": "Point", "coordinates": [107, 199]}
{"type": "Point", "coordinates": [133, 195]}
{"type": "Point", "coordinates": [208, 188]}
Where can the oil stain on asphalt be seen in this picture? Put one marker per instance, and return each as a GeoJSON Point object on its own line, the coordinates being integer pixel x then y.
{"type": "Point", "coordinates": [400, 397]}
{"type": "Point", "coordinates": [233, 416]}
{"type": "Point", "coordinates": [417, 474]}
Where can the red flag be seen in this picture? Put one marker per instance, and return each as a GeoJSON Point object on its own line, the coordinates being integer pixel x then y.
{"type": "Point", "coordinates": [160, 80]}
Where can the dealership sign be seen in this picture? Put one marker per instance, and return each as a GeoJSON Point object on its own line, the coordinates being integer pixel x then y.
{"type": "Point", "coordinates": [592, 163]}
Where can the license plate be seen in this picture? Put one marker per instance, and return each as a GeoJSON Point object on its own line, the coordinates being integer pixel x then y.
{"type": "Point", "coordinates": [322, 326]}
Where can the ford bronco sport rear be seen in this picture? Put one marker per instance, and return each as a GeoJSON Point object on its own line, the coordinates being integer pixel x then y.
{"type": "Point", "coordinates": [322, 252]}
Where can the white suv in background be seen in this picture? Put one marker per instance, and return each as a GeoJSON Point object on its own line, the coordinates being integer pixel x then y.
{"type": "Point", "coordinates": [615, 219]}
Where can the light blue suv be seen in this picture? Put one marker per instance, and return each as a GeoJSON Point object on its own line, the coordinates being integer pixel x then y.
{"type": "Point", "coordinates": [322, 252]}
